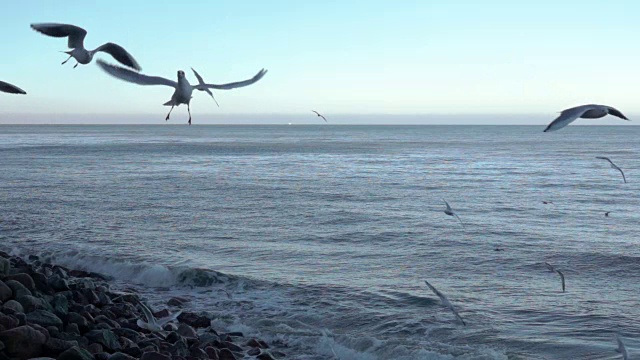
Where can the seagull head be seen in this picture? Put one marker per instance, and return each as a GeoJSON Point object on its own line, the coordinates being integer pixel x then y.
{"type": "Point", "coordinates": [180, 74]}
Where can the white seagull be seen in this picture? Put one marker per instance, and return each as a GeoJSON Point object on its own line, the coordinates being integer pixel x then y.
{"type": "Point", "coordinates": [320, 115]}
{"type": "Point", "coordinates": [183, 90]}
{"type": "Point", "coordinates": [591, 111]}
{"type": "Point", "coordinates": [9, 88]}
{"type": "Point", "coordinates": [445, 302]}
{"type": "Point", "coordinates": [153, 324]}
{"type": "Point", "coordinates": [450, 212]}
{"type": "Point", "coordinates": [551, 268]}
{"type": "Point", "coordinates": [76, 37]}
{"type": "Point", "coordinates": [613, 166]}
{"type": "Point", "coordinates": [621, 349]}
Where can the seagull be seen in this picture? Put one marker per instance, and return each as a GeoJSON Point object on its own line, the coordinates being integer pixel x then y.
{"type": "Point", "coordinates": [445, 302]}
{"type": "Point", "coordinates": [153, 324]}
{"type": "Point", "coordinates": [607, 213]}
{"type": "Point", "coordinates": [584, 111]}
{"type": "Point", "coordinates": [320, 115]}
{"type": "Point", "coordinates": [12, 89]}
{"type": "Point", "coordinates": [183, 90]}
{"type": "Point", "coordinates": [76, 37]}
{"type": "Point", "coordinates": [614, 166]}
{"type": "Point", "coordinates": [551, 268]}
{"type": "Point", "coordinates": [450, 212]}
{"type": "Point", "coordinates": [548, 202]}
{"type": "Point", "coordinates": [621, 349]}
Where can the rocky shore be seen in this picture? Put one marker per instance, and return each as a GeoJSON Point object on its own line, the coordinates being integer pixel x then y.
{"type": "Point", "coordinates": [51, 312]}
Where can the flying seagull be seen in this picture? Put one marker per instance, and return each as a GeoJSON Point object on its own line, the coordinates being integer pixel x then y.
{"type": "Point", "coordinates": [547, 202]}
{"type": "Point", "coordinates": [450, 212]}
{"type": "Point", "coordinates": [183, 90]}
{"type": "Point", "coordinates": [607, 213]}
{"type": "Point", "coordinates": [153, 324]}
{"type": "Point", "coordinates": [76, 37]}
{"type": "Point", "coordinates": [445, 302]}
{"type": "Point", "coordinates": [584, 111]}
{"type": "Point", "coordinates": [621, 349]}
{"type": "Point", "coordinates": [12, 89]}
{"type": "Point", "coordinates": [551, 268]}
{"type": "Point", "coordinates": [320, 115]}
{"type": "Point", "coordinates": [614, 166]}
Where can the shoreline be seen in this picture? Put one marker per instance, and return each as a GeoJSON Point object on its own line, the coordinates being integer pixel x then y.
{"type": "Point", "coordinates": [50, 311]}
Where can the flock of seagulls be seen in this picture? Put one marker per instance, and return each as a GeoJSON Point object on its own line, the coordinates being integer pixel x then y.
{"type": "Point", "coordinates": [75, 41]}
{"type": "Point", "coordinates": [182, 94]}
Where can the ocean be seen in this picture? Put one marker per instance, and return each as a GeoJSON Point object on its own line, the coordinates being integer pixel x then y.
{"type": "Point", "coordinates": [322, 236]}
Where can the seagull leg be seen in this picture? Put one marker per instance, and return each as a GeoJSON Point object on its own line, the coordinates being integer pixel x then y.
{"type": "Point", "coordinates": [189, 110]}
{"type": "Point", "coordinates": [167, 118]}
{"type": "Point", "coordinates": [69, 58]}
{"type": "Point", "coordinates": [76, 65]}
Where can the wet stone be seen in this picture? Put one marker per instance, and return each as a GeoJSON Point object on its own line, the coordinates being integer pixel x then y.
{"type": "Point", "coordinates": [153, 355]}
{"type": "Point", "coordinates": [57, 283]}
{"type": "Point", "coordinates": [226, 354]}
{"type": "Point", "coordinates": [23, 279]}
{"type": "Point", "coordinates": [23, 342]}
{"type": "Point", "coordinates": [8, 321]}
{"type": "Point", "coordinates": [105, 337]}
{"type": "Point", "coordinates": [17, 288]}
{"type": "Point", "coordinates": [121, 356]}
{"type": "Point", "coordinates": [30, 303]}
{"type": "Point", "coordinates": [5, 291]}
{"type": "Point", "coordinates": [95, 348]}
{"type": "Point", "coordinates": [13, 306]}
{"type": "Point", "coordinates": [44, 318]}
{"type": "Point", "coordinates": [57, 346]}
{"type": "Point", "coordinates": [75, 353]}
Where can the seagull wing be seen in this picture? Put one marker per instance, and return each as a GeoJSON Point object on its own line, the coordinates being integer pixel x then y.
{"type": "Point", "coordinates": [445, 301]}
{"type": "Point", "coordinates": [169, 318]}
{"type": "Point", "coordinates": [76, 34]}
{"type": "Point", "coordinates": [615, 112]}
{"type": "Point", "coordinates": [568, 116]}
{"type": "Point", "coordinates": [448, 207]}
{"type": "Point", "coordinates": [233, 85]}
{"type": "Point", "coordinates": [621, 349]}
{"type": "Point", "coordinates": [134, 77]}
{"type": "Point", "coordinates": [613, 166]}
{"type": "Point", "coordinates": [147, 313]}
{"type": "Point", "coordinates": [120, 54]}
{"type": "Point", "coordinates": [561, 278]}
{"type": "Point", "coordinates": [461, 223]}
{"type": "Point", "coordinates": [201, 81]}
{"type": "Point", "coordinates": [550, 267]}
{"type": "Point", "coordinates": [8, 88]}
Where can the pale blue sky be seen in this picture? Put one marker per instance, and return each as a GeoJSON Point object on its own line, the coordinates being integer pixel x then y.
{"type": "Point", "coordinates": [340, 57]}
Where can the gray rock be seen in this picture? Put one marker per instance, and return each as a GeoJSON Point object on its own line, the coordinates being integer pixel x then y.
{"type": "Point", "coordinates": [24, 279]}
{"type": "Point", "coordinates": [179, 349]}
{"type": "Point", "coordinates": [58, 346]}
{"type": "Point", "coordinates": [30, 303]}
{"type": "Point", "coordinates": [53, 331]}
{"type": "Point", "coordinates": [102, 356]}
{"type": "Point", "coordinates": [5, 265]}
{"type": "Point", "coordinates": [231, 346]}
{"type": "Point", "coordinates": [60, 305]}
{"type": "Point", "coordinates": [44, 318]}
{"type": "Point", "coordinates": [195, 320]}
{"type": "Point", "coordinates": [226, 354]}
{"type": "Point", "coordinates": [105, 320]}
{"type": "Point", "coordinates": [73, 329]}
{"type": "Point", "coordinates": [153, 355]}
{"type": "Point", "coordinates": [254, 351]}
{"type": "Point", "coordinates": [130, 348]}
{"type": "Point", "coordinates": [44, 331]}
{"type": "Point", "coordinates": [211, 352]}
{"type": "Point", "coordinates": [187, 331]}
{"type": "Point", "coordinates": [23, 342]}
{"type": "Point", "coordinates": [17, 288]}
{"type": "Point", "coordinates": [197, 353]}
{"type": "Point", "coordinates": [105, 337]}
{"type": "Point", "coordinates": [79, 320]}
{"type": "Point", "coordinates": [1, 346]}
{"type": "Point", "coordinates": [58, 283]}
{"type": "Point", "coordinates": [75, 353]}
{"type": "Point", "coordinates": [14, 306]}
{"type": "Point", "coordinates": [5, 291]}
{"type": "Point", "coordinates": [40, 280]}
{"type": "Point", "coordinates": [8, 321]}
{"type": "Point", "coordinates": [95, 348]}
{"type": "Point", "coordinates": [121, 356]}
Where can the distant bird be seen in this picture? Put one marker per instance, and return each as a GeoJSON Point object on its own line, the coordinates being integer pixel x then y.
{"type": "Point", "coordinates": [607, 213]}
{"type": "Point", "coordinates": [445, 302]}
{"type": "Point", "coordinates": [320, 115]}
{"type": "Point", "coordinates": [551, 268]}
{"type": "Point", "coordinates": [153, 324]}
{"type": "Point", "coordinates": [586, 112]}
{"type": "Point", "coordinates": [76, 37]}
{"type": "Point", "coordinates": [450, 212]}
{"type": "Point", "coordinates": [548, 202]}
{"type": "Point", "coordinates": [621, 349]}
{"type": "Point", "coordinates": [613, 166]}
{"type": "Point", "coordinates": [12, 89]}
{"type": "Point", "coordinates": [183, 90]}
{"type": "Point", "coordinates": [498, 249]}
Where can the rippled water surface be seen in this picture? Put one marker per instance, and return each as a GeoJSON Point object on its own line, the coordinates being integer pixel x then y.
{"type": "Point", "coordinates": [323, 235]}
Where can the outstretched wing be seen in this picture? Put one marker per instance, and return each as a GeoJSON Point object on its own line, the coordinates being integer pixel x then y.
{"type": "Point", "coordinates": [568, 116]}
{"type": "Point", "coordinates": [448, 207]}
{"type": "Point", "coordinates": [201, 81]}
{"type": "Point", "coordinates": [561, 278]}
{"type": "Point", "coordinates": [461, 223]}
{"type": "Point", "coordinates": [445, 301]}
{"type": "Point", "coordinates": [120, 54]}
{"type": "Point", "coordinates": [624, 178]}
{"type": "Point", "coordinates": [621, 349]}
{"type": "Point", "coordinates": [605, 158]}
{"type": "Point", "coordinates": [233, 85]}
{"type": "Point", "coordinates": [76, 34]}
{"type": "Point", "coordinates": [615, 112]}
{"type": "Point", "coordinates": [8, 88]}
{"type": "Point", "coordinates": [169, 318]}
{"type": "Point", "coordinates": [134, 77]}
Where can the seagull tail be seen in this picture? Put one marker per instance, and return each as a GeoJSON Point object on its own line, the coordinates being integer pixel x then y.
{"type": "Point", "coordinates": [169, 103]}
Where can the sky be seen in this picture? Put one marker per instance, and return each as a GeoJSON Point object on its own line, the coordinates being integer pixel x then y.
{"type": "Point", "coordinates": [522, 61]}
